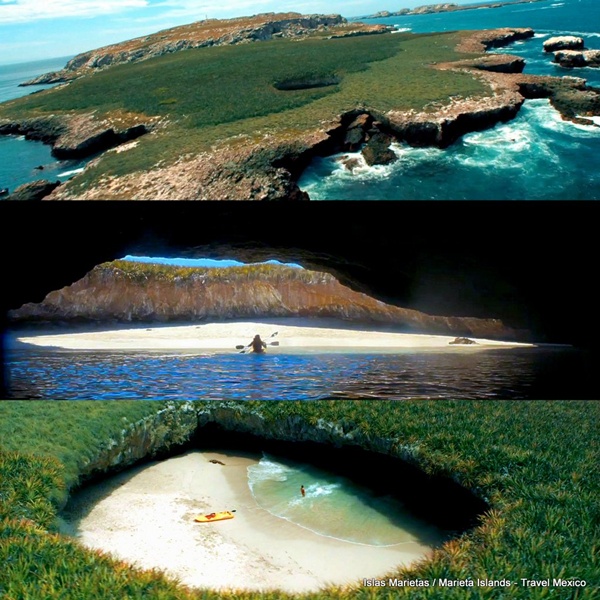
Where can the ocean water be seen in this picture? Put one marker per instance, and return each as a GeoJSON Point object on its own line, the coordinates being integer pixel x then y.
{"type": "Point", "coordinates": [523, 373]}
{"type": "Point", "coordinates": [20, 159]}
{"type": "Point", "coordinates": [536, 156]}
{"type": "Point", "coordinates": [12, 75]}
{"type": "Point", "coordinates": [333, 506]}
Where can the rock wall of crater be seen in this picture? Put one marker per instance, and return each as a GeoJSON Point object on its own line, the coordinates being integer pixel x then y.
{"type": "Point", "coordinates": [181, 425]}
{"type": "Point", "coordinates": [148, 438]}
{"type": "Point", "coordinates": [110, 292]}
{"type": "Point", "coordinates": [176, 424]}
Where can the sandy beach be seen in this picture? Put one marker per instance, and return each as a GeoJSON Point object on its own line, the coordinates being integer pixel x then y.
{"type": "Point", "coordinates": [145, 516]}
{"type": "Point", "coordinates": [292, 335]}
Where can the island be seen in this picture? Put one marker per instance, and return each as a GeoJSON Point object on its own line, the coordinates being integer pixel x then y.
{"type": "Point", "coordinates": [428, 9]}
{"type": "Point", "coordinates": [237, 109]}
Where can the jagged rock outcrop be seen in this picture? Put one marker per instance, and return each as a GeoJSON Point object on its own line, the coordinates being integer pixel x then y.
{"type": "Point", "coordinates": [577, 58]}
{"type": "Point", "coordinates": [207, 33]}
{"type": "Point", "coordinates": [480, 41]}
{"type": "Point", "coordinates": [122, 291]}
{"type": "Point", "coordinates": [497, 63]}
{"type": "Point", "coordinates": [35, 190]}
{"type": "Point", "coordinates": [377, 150]}
{"type": "Point", "coordinates": [81, 135]}
{"type": "Point", "coordinates": [565, 42]}
{"type": "Point", "coordinates": [399, 253]}
{"type": "Point", "coordinates": [445, 7]}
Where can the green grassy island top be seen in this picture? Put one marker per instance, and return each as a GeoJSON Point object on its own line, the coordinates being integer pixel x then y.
{"type": "Point", "coordinates": [272, 91]}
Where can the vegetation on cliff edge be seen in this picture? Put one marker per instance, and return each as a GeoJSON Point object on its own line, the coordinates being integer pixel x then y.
{"type": "Point", "coordinates": [536, 463]}
{"type": "Point", "coordinates": [207, 95]}
{"type": "Point", "coordinates": [141, 272]}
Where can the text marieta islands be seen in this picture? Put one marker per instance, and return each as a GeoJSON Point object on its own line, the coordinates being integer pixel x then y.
{"type": "Point", "coordinates": [443, 582]}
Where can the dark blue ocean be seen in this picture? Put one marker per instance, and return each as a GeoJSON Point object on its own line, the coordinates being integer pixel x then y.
{"type": "Point", "coordinates": [21, 159]}
{"type": "Point", "coordinates": [536, 156]}
{"type": "Point", "coordinates": [548, 373]}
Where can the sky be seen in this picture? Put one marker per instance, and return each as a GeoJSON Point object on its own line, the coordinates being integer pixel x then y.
{"type": "Point", "coordinates": [199, 262]}
{"type": "Point", "coordinates": [42, 29]}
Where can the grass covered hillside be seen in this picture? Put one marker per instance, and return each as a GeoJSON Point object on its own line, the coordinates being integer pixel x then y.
{"type": "Point", "coordinates": [535, 463]}
{"type": "Point", "coordinates": [269, 92]}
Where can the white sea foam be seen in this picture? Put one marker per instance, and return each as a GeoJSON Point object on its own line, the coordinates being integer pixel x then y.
{"type": "Point", "coordinates": [582, 34]}
{"type": "Point", "coordinates": [547, 117]}
{"type": "Point", "coordinates": [318, 489]}
{"type": "Point", "coordinates": [508, 138]}
{"type": "Point", "coordinates": [267, 470]}
{"type": "Point", "coordinates": [72, 172]}
{"type": "Point", "coordinates": [401, 29]}
{"type": "Point", "coordinates": [407, 157]}
{"type": "Point", "coordinates": [361, 169]}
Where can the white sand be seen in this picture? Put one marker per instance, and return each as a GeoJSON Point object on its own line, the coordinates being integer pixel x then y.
{"type": "Point", "coordinates": [292, 335]}
{"type": "Point", "coordinates": [146, 517]}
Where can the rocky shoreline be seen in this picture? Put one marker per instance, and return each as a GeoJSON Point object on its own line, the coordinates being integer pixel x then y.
{"type": "Point", "coordinates": [269, 169]}
{"type": "Point", "coordinates": [429, 9]}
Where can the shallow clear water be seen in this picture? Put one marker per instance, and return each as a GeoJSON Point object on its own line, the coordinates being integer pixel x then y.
{"type": "Point", "coordinates": [538, 373]}
{"type": "Point", "coordinates": [536, 156]}
{"type": "Point", "coordinates": [333, 506]}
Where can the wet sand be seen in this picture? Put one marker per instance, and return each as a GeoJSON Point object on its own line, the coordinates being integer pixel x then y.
{"type": "Point", "coordinates": [292, 335]}
{"type": "Point", "coordinates": [145, 516]}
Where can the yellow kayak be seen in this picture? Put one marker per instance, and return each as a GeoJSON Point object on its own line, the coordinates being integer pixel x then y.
{"type": "Point", "coordinates": [220, 516]}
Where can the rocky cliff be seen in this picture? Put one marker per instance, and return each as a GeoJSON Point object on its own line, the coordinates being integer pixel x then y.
{"type": "Point", "coordinates": [268, 169]}
{"type": "Point", "coordinates": [124, 291]}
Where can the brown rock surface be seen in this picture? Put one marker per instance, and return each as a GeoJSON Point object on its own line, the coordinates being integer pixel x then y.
{"type": "Point", "coordinates": [267, 166]}
{"type": "Point", "coordinates": [35, 190]}
{"type": "Point", "coordinates": [111, 292]}
{"type": "Point", "coordinates": [577, 58]}
{"type": "Point", "coordinates": [377, 151]}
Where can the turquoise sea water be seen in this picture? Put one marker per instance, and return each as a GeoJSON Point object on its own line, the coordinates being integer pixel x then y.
{"type": "Point", "coordinates": [333, 506]}
{"type": "Point", "coordinates": [536, 156]}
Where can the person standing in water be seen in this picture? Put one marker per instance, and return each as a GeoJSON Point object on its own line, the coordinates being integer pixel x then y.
{"type": "Point", "coordinates": [302, 491]}
{"type": "Point", "coordinates": [258, 345]}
